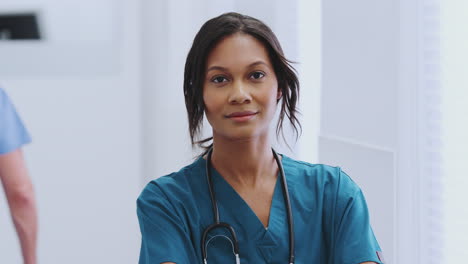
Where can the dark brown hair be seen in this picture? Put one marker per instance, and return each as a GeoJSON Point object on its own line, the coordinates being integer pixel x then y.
{"type": "Point", "coordinates": [209, 35]}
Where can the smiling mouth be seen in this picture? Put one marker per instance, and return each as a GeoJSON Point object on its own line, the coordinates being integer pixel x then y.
{"type": "Point", "coordinates": [242, 116]}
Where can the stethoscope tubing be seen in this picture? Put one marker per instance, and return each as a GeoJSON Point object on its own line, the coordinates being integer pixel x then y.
{"type": "Point", "coordinates": [218, 224]}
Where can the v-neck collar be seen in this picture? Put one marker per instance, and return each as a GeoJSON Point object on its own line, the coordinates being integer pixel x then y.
{"type": "Point", "coordinates": [221, 182]}
{"type": "Point", "coordinates": [234, 210]}
{"type": "Point", "coordinates": [228, 200]}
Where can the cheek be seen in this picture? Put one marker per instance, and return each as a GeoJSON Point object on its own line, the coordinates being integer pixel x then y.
{"type": "Point", "coordinates": [273, 102]}
{"type": "Point", "coordinates": [273, 94]}
{"type": "Point", "coordinates": [212, 102]}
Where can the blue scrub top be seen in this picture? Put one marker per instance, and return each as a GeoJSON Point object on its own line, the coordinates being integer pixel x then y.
{"type": "Point", "coordinates": [13, 134]}
{"type": "Point", "coordinates": [331, 219]}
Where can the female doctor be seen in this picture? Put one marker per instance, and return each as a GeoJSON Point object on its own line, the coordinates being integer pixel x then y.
{"type": "Point", "coordinates": [240, 201]}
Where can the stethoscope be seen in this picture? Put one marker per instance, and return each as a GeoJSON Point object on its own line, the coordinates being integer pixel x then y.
{"type": "Point", "coordinates": [218, 224]}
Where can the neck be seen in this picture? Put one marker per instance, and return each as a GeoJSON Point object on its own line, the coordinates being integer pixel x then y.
{"type": "Point", "coordinates": [248, 163]}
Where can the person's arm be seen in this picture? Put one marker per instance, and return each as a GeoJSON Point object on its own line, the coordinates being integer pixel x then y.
{"type": "Point", "coordinates": [20, 195]}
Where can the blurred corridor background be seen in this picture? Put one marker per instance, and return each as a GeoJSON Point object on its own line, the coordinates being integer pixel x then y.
{"type": "Point", "coordinates": [384, 83]}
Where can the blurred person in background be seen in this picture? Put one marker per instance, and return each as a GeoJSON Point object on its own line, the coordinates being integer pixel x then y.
{"type": "Point", "coordinates": [15, 180]}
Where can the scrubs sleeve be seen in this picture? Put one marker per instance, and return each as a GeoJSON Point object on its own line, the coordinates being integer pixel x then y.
{"type": "Point", "coordinates": [164, 236]}
{"type": "Point", "coordinates": [13, 134]}
{"type": "Point", "coordinates": [354, 240]}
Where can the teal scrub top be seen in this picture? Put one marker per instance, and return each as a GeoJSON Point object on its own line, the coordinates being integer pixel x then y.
{"type": "Point", "coordinates": [331, 219]}
{"type": "Point", "coordinates": [13, 133]}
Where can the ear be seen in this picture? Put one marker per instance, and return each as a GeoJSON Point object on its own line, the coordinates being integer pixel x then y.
{"type": "Point", "coordinates": [279, 94]}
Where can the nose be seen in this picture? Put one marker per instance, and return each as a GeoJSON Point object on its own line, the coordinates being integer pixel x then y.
{"type": "Point", "coordinates": [239, 93]}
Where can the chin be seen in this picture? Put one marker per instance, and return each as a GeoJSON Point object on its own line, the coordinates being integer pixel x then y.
{"type": "Point", "coordinates": [242, 135]}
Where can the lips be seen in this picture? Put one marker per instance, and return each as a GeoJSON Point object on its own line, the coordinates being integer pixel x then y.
{"type": "Point", "coordinates": [241, 114]}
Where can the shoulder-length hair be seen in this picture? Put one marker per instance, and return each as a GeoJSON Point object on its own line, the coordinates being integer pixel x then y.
{"type": "Point", "coordinates": [206, 39]}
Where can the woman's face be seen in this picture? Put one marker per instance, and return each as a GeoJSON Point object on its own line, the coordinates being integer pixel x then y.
{"type": "Point", "coordinates": [240, 89]}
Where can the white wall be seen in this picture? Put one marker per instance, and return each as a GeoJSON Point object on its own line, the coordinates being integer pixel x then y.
{"type": "Point", "coordinates": [454, 79]}
{"type": "Point", "coordinates": [77, 39]}
{"type": "Point", "coordinates": [310, 75]}
{"type": "Point", "coordinates": [85, 124]}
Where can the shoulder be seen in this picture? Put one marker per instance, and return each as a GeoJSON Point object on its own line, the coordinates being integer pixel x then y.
{"type": "Point", "coordinates": [2, 93]}
{"type": "Point", "coordinates": [321, 177]}
{"type": "Point", "coordinates": [172, 197]}
{"type": "Point", "coordinates": [13, 133]}
{"type": "Point", "coordinates": [173, 186]}
{"type": "Point", "coordinates": [4, 99]}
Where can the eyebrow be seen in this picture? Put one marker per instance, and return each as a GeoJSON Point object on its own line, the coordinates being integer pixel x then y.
{"type": "Point", "coordinates": [225, 69]}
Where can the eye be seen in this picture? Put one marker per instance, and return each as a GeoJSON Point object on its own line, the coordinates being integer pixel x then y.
{"type": "Point", "coordinates": [219, 79]}
{"type": "Point", "coordinates": [257, 75]}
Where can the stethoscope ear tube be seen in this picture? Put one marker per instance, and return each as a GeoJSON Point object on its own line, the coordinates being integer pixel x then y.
{"type": "Point", "coordinates": [288, 208]}
{"type": "Point", "coordinates": [210, 187]}
{"type": "Point", "coordinates": [216, 223]}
